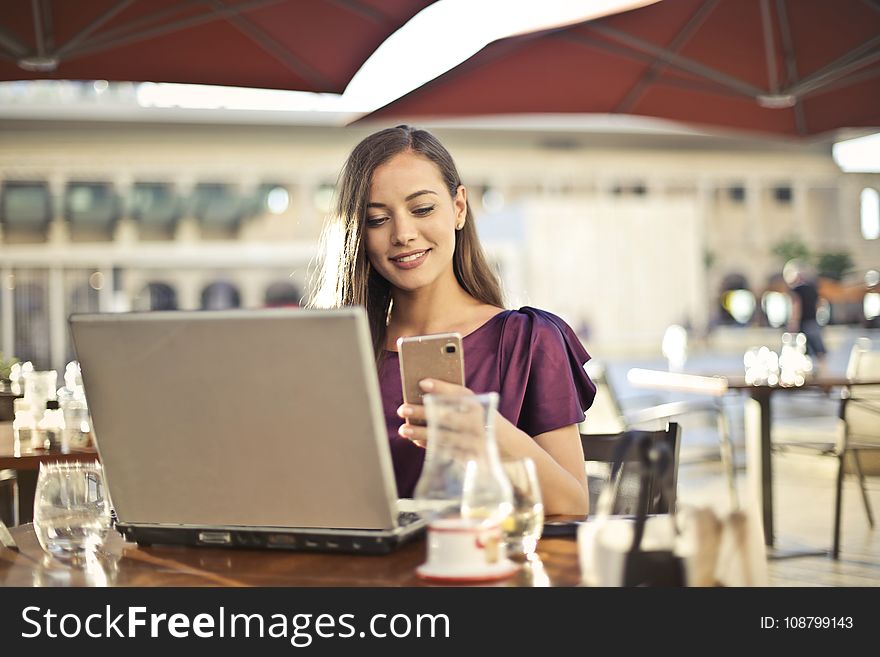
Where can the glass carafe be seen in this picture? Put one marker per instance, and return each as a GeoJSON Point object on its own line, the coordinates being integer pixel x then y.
{"type": "Point", "coordinates": [462, 475]}
{"type": "Point", "coordinates": [463, 490]}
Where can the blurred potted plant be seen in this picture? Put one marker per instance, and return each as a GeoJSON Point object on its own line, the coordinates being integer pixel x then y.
{"type": "Point", "coordinates": [791, 248]}
{"type": "Point", "coordinates": [834, 265]}
{"type": "Point", "coordinates": [6, 397]}
{"type": "Point", "coordinates": [5, 371]}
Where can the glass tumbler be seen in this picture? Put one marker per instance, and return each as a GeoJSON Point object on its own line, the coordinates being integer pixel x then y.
{"type": "Point", "coordinates": [523, 527]}
{"type": "Point", "coordinates": [71, 509]}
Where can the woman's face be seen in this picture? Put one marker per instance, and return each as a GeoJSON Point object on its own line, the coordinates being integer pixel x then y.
{"type": "Point", "coordinates": [411, 222]}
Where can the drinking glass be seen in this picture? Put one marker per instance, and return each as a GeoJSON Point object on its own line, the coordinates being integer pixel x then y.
{"type": "Point", "coordinates": [71, 510]}
{"type": "Point", "coordinates": [523, 527]}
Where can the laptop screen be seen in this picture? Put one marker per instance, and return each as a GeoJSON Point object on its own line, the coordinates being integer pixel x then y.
{"type": "Point", "coordinates": [251, 418]}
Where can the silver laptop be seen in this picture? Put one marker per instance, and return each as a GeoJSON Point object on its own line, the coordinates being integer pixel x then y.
{"type": "Point", "coordinates": [243, 428]}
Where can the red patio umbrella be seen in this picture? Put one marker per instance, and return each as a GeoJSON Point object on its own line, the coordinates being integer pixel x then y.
{"type": "Point", "coordinates": [305, 45]}
{"type": "Point", "coordinates": [790, 67]}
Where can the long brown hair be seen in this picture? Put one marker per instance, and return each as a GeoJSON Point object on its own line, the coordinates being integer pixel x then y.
{"type": "Point", "coordinates": [345, 277]}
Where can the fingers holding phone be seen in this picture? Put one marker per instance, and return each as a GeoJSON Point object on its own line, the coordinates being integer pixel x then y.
{"type": "Point", "coordinates": [438, 357]}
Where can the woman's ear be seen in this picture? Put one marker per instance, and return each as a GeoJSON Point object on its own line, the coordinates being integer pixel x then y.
{"type": "Point", "coordinates": [460, 205]}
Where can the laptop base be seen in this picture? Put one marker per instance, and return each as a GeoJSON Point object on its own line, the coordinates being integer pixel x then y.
{"type": "Point", "coordinates": [299, 540]}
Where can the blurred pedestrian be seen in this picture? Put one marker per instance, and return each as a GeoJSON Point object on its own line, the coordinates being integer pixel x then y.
{"type": "Point", "coordinates": [804, 304]}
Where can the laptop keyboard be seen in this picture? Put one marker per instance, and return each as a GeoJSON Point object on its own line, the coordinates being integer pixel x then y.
{"type": "Point", "coordinates": [405, 518]}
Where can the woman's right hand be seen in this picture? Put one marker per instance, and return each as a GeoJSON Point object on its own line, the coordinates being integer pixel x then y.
{"type": "Point", "coordinates": [467, 422]}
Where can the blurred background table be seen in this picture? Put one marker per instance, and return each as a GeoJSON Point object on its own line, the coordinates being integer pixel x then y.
{"type": "Point", "coordinates": [758, 434]}
{"type": "Point", "coordinates": [26, 466]}
{"type": "Point", "coordinates": [126, 564]}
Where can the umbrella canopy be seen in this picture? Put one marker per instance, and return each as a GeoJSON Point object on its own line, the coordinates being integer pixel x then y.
{"type": "Point", "coordinates": [790, 67]}
{"type": "Point", "coordinates": [304, 45]}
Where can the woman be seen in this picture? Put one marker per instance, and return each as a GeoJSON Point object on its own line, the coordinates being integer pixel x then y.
{"type": "Point", "coordinates": [403, 244]}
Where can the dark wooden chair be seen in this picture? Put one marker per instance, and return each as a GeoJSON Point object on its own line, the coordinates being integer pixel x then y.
{"type": "Point", "coordinates": [599, 449]}
{"type": "Point", "coordinates": [7, 399]}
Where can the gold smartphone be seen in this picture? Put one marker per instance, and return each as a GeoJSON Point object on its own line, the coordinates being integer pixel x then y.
{"type": "Point", "coordinates": [438, 356]}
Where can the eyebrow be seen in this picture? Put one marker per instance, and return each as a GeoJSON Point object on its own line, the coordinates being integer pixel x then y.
{"type": "Point", "coordinates": [408, 198]}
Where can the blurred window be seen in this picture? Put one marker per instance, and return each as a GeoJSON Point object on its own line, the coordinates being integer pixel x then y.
{"type": "Point", "coordinates": [282, 293]}
{"type": "Point", "coordinates": [156, 296]}
{"type": "Point", "coordinates": [217, 206]}
{"type": "Point", "coordinates": [31, 316]}
{"type": "Point", "coordinates": [870, 213]}
{"type": "Point", "coordinates": [777, 308]}
{"type": "Point", "coordinates": [82, 287]}
{"type": "Point", "coordinates": [740, 304]}
{"type": "Point", "coordinates": [782, 194]}
{"type": "Point", "coordinates": [737, 193]}
{"type": "Point", "coordinates": [25, 205]}
{"type": "Point", "coordinates": [90, 204]}
{"type": "Point", "coordinates": [220, 296]}
{"type": "Point", "coordinates": [155, 204]}
{"type": "Point", "coordinates": [273, 198]}
{"type": "Point", "coordinates": [323, 197]}
{"type": "Point", "coordinates": [871, 305]}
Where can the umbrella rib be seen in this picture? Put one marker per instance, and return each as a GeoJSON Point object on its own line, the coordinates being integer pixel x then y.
{"type": "Point", "coordinates": [358, 8]}
{"type": "Point", "coordinates": [677, 61]}
{"type": "Point", "coordinates": [112, 42]}
{"type": "Point", "coordinates": [769, 46]}
{"type": "Point", "coordinates": [38, 27]}
{"type": "Point", "coordinates": [270, 45]}
{"type": "Point", "coordinates": [48, 28]}
{"type": "Point", "coordinates": [151, 20]}
{"type": "Point", "coordinates": [703, 85]}
{"type": "Point", "coordinates": [838, 68]}
{"type": "Point", "coordinates": [683, 36]}
{"type": "Point", "coordinates": [15, 47]}
{"type": "Point", "coordinates": [847, 81]}
{"type": "Point", "coordinates": [75, 40]}
{"type": "Point", "coordinates": [800, 120]}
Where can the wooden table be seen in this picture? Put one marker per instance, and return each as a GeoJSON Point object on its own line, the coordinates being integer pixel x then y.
{"type": "Point", "coordinates": [27, 465]}
{"type": "Point", "coordinates": [126, 564]}
{"type": "Point", "coordinates": [758, 435]}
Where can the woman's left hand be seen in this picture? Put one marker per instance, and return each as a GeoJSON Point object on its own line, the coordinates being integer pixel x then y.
{"type": "Point", "coordinates": [418, 433]}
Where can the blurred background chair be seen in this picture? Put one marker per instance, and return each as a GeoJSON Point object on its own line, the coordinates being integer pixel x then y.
{"type": "Point", "coordinates": [704, 409]}
{"type": "Point", "coordinates": [8, 497]}
{"type": "Point", "coordinates": [599, 457]}
{"type": "Point", "coordinates": [854, 431]}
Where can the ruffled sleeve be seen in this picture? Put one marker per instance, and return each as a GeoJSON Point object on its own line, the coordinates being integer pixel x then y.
{"type": "Point", "coordinates": [543, 382]}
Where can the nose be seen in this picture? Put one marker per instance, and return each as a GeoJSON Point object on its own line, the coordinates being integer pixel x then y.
{"type": "Point", "coordinates": [404, 231]}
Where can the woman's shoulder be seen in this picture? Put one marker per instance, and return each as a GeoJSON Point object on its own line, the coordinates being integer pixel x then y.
{"type": "Point", "coordinates": [544, 347]}
{"type": "Point", "coordinates": [535, 323]}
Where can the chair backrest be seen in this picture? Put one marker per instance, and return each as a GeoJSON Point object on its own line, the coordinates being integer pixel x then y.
{"type": "Point", "coordinates": [861, 411]}
{"type": "Point", "coordinates": [605, 415]}
{"type": "Point", "coordinates": [600, 448]}
{"type": "Point", "coordinates": [861, 346]}
{"type": "Point", "coordinates": [864, 364]}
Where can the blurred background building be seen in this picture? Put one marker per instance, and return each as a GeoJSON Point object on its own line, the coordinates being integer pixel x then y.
{"type": "Point", "coordinates": [107, 206]}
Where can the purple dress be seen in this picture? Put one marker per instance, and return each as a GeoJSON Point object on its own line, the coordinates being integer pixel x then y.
{"type": "Point", "coordinates": [531, 358]}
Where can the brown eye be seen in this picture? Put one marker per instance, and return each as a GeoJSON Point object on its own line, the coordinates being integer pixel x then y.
{"type": "Point", "coordinates": [375, 221]}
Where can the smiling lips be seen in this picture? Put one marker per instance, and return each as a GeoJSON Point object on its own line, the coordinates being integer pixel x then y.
{"type": "Point", "coordinates": [410, 260]}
